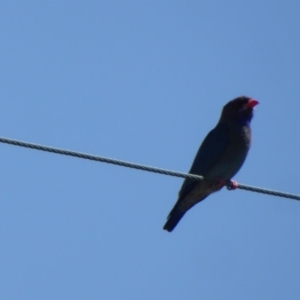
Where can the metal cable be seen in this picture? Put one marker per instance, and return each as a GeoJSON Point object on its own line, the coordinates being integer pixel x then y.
{"type": "Point", "coordinates": [141, 167]}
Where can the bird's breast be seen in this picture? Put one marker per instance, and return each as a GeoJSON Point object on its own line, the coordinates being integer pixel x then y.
{"type": "Point", "coordinates": [234, 154]}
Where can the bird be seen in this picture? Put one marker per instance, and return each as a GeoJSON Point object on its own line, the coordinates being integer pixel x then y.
{"type": "Point", "coordinates": [220, 156]}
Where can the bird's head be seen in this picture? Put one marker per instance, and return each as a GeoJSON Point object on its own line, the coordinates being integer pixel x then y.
{"type": "Point", "coordinates": [239, 109]}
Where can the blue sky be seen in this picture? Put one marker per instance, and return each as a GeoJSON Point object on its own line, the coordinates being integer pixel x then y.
{"type": "Point", "coordinates": [144, 81]}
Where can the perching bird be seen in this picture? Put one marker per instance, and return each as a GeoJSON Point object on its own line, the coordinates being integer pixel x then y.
{"type": "Point", "coordinates": [219, 158]}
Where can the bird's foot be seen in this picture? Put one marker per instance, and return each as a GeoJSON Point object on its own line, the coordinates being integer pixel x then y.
{"type": "Point", "coordinates": [232, 185]}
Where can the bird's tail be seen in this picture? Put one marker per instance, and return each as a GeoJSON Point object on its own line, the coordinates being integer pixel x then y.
{"type": "Point", "coordinates": [173, 219]}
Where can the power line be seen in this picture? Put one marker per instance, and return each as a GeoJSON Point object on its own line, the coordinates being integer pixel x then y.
{"type": "Point", "coordinates": [142, 167]}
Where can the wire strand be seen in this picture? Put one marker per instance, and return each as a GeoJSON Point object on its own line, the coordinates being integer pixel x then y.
{"type": "Point", "coordinates": [140, 167]}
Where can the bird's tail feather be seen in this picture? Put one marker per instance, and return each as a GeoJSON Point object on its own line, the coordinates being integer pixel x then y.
{"type": "Point", "coordinates": [173, 219]}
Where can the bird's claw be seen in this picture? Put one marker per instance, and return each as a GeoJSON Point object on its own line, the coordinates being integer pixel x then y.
{"type": "Point", "coordinates": [232, 185]}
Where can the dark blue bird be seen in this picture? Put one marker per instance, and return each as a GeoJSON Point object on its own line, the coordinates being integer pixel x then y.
{"type": "Point", "coordinates": [219, 158]}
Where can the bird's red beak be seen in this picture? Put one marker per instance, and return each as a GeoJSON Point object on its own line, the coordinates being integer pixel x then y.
{"type": "Point", "coordinates": [251, 103]}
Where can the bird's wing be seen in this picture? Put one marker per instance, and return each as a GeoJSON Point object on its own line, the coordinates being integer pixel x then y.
{"type": "Point", "coordinates": [208, 155]}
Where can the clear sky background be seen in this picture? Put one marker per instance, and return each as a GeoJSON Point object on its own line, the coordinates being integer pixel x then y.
{"type": "Point", "coordinates": [144, 81]}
